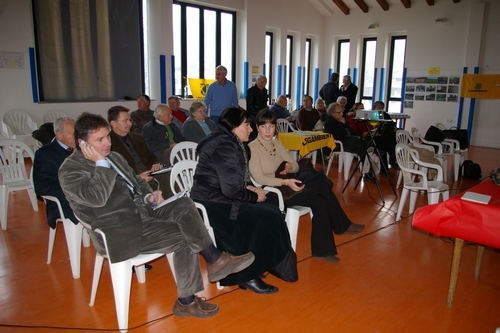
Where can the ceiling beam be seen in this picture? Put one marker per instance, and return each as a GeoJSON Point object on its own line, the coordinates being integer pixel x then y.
{"type": "Point", "coordinates": [383, 4]}
{"type": "Point", "coordinates": [362, 5]}
{"type": "Point", "coordinates": [342, 6]}
{"type": "Point", "coordinates": [406, 3]}
{"type": "Point", "coordinates": [430, 2]}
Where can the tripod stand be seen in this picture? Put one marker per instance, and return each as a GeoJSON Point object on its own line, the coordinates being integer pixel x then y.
{"type": "Point", "coordinates": [366, 157]}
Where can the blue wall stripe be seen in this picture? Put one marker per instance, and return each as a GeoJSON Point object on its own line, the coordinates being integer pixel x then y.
{"type": "Point", "coordinates": [348, 71]}
{"type": "Point", "coordinates": [355, 76]}
{"type": "Point", "coordinates": [163, 80]}
{"type": "Point", "coordinates": [382, 85]}
{"type": "Point", "coordinates": [298, 93]}
{"type": "Point", "coordinates": [172, 68]}
{"type": "Point", "coordinates": [264, 70]}
{"type": "Point", "coordinates": [279, 81]}
{"type": "Point", "coordinates": [471, 110]}
{"type": "Point", "coordinates": [245, 78]}
{"type": "Point", "coordinates": [330, 71]}
{"type": "Point", "coordinates": [461, 105]}
{"type": "Point", "coordinates": [374, 85]}
{"type": "Point", "coordinates": [316, 81]}
{"type": "Point", "coordinates": [34, 90]}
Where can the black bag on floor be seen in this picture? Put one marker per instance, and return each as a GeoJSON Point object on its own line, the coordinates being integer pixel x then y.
{"type": "Point", "coordinates": [457, 134]}
{"type": "Point", "coordinates": [287, 268]}
{"type": "Point", "coordinates": [471, 170]}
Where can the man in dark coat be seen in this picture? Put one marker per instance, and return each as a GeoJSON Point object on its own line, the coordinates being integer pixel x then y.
{"type": "Point", "coordinates": [349, 90]}
{"type": "Point", "coordinates": [47, 161]}
{"type": "Point", "coordinates": [257, 96]}
{"type": "Point", "coordinates": [330, 91]}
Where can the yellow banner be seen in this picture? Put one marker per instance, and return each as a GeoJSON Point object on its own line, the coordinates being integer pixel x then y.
{"type": "Point", "coordinates": [199, 87]}
{"type": "Point", "coordinates": [480, 86]}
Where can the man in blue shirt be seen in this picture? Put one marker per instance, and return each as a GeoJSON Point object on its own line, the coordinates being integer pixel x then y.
{"type": "Point", "coordinates": [220, 94]}
{"type": "Point", "coordinates": [280, 108]}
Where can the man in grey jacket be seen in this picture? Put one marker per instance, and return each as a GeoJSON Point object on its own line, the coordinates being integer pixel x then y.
{"type": "Point", "coordinates": [104, 191]}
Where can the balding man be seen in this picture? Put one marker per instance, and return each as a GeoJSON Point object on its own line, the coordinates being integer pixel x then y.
{"type": "Point", "coordinates": [280, 108]}
{"type": "Point", "coordinates": [161, 134]}
{"type": "Point", "coordinates": [349, 90]}
{"type": "Point", "coordinates": [220, 94]}
{"type": "Point", "coordinates": [257, 96]}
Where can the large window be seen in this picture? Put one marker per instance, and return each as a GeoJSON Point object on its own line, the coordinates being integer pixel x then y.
{"type": "Point", "coordinates": [343, 56]}
{"type": "Point", "coordinates": [396, 68]}
{"type": "Point", "coordinates": [289, 61]}
{"type": "Point", "coordinates": [269, 63]}
{"type": "Point", "coordinates": [307, 62]}
{"type": "Point", "coordinates": [368, 71]}
{"type": "Point", "coordinates": [84, 54]}
{"type": "Point", "coordinates": [204, 38]}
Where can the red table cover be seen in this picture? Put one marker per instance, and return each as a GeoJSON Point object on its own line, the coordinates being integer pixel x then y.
{"type": "Point", "coordinates": [467, 220]}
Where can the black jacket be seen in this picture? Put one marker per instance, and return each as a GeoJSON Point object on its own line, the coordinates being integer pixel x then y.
{"type": "Point", "coordinates": [220, 173]}
{"type": "Point", "coordinates": [256, 100]}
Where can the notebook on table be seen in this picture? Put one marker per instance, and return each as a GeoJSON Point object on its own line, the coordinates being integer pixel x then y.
{"type": "Point", "coordinates": [476, 197]}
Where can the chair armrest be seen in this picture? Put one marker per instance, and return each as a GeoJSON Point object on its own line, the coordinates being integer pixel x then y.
{"type": "Point", "coordinates": [433, 143]}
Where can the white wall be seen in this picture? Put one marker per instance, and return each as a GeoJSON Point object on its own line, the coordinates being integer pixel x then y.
{"type": "Point", "coordinates": [428, 45]}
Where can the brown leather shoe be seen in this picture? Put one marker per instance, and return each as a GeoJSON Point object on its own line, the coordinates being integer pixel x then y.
{"type": "Point", "coordinates": [199, 308]}
{"type": "Point", "coordinates": [355, 228]}
{"type": "Point", "coordinates": [228, 264]}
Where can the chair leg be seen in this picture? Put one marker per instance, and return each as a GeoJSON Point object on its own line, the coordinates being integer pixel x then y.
{"type": "Point", "coordinates": [413, 200]}
{"type": "Point", "coordinates": [121, 276]}
{"type": "Point", "coordinates": [34, 201]}
{"type": "Point", "coordinates": [330, 164]}
{"type": "Point", "coordinates": [4, 201]}
{"type": "Point", "coordinates": [140, 272]}
{"type": "Point", "coordinates": [52, 238]}
{"type": "Point", "coordinates": [402, 201]}
{"type": "Point", "coordinates": [73, 234]}
{"type": "Point", "coordinates": [446, 195]}
{"type": "Point", "coordinates": [292, 222]}
{"type": "Point", "coordinates": [99, 260]}
{"type": "Point", "coordinates": [456, 165]}
{"type": "Point", "coordinates": [347, 165]}
{"type": "Point", "coordinates": [85, 238]}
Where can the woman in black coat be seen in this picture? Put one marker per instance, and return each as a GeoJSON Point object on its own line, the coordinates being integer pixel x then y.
{"type": "Point", "coordinates": [241, 219]}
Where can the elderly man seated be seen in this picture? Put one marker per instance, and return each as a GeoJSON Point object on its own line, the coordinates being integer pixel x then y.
{"type": "Point", "coordinates": [180, 114]}
{"type": "Point", "coordinates": [105, 192]}
{"type": "Point", "coordinates": [161, 134]}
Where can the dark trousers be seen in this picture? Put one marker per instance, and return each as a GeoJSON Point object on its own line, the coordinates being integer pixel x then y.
{"type": "Point", "coordinates": [328, 215]}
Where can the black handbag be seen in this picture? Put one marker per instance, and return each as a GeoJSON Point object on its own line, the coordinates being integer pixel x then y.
{"type": "Point", "coordinates": [287, 268]}
{"type": "Point", "coordinates": [458, 134]}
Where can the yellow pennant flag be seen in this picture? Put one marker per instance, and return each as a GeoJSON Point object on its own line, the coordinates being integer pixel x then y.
{"type": "Point", "coordinates": [480, 86]}
{"type": "Point", "coordinates": [199, 87]}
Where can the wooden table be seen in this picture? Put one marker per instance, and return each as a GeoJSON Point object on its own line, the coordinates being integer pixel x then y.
{"type": "Point", "coordinates": [464, 220]}
{"type": "Point", "coordinates": [306, 142]}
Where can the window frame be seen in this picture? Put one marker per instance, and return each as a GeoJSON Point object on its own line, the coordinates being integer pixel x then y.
{"type": "Point", "coordinates": [363, 65]}
{"type": "Point", "coordinates": [307, 63]}
{"type": "Point", "coordinates": [201, 41]}
{"type": "Point", "coordinates": [289, 64]}
{"type": "Point", "coordinates": [340, 43]}
{"type": "Point", "coordinates": [389, 97]}
{"type": "Point", "coordinates": [269, 66]}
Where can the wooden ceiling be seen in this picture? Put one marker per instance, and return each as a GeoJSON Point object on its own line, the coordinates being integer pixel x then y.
{"type": "Point", "coordinates": [382, 3]}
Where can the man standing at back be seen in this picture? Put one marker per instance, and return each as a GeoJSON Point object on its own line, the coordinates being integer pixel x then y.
{"type": "Point", "coordinates": [349, 90]}
{"type": "Point", "coordinates": [220, 94]}
{"type": "Point", "coordinates": [330, 91]}
{"type": "Point", "coordinates": [257, 96]}
{"type": "Point", "coordinates": [47, 161]}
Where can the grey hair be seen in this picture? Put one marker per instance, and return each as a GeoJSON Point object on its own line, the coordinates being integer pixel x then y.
{"type": "Point", "coordinates": [320, 100]}
{"type": "Point", "coordinates": [341, 98]}
{"type": "Point", "coordinates": [159, 110]}
{"type": "Point", "coordinates": [174, 97]}
{"type": "Point", "coordinates": [331, 108]}
{"type": "Point", "coordinates": [196, 106]}
{"type": "Point", "coordinates": [222, 69]}
{"type": "Point", "coordinates": [348, 77]}
{"type": "Point", "coordinates": [59, 123]}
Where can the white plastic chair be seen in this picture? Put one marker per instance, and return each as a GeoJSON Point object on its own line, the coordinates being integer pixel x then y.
{"type": "Point", "coordinates": [405, 156]}
{"type": "Point", "coordinates": [181, 178]}
{"type": "Point", "coordinates": [345, 160]}
{"type": "Point", "coordinates": [441, 148]}
{"type": "Point", "coordinates": [183, 151]}
{"type": "Point", "coordinates": [14, 176]}
{"type": "Point", "coordinates": [74, 239]}
{"type": "Point", "coordinates": [459, 155]}
{"type": "Point", "coordinates": [121, 275]}
{"type": "Point", "coordinates": [293, 213]}
{"type": "Point", "coordinates": [18, 125]}
{"type": "Point", "coordinates": [52, 115]}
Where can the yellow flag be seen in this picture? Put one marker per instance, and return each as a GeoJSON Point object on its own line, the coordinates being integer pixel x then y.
{"type": "Point", "coordinates": [480, 86]}
{"type": "Point", "coordinates": [199, 87]}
